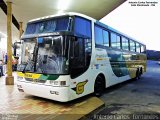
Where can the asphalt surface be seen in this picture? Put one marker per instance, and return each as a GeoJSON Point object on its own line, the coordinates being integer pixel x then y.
{"type": "Point", "coordinates": [134, 99]}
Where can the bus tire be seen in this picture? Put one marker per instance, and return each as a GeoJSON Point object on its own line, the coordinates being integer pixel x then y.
{"type": "Point", "coordinates": [99, 86]}
{"type": "Point", "coordinates": [141, 71]}
{"type": "Point", "coordinates": [138, 75]}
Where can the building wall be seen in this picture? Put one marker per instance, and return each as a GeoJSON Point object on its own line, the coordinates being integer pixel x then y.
{"type": "Point", "coordinates": [3, 47]}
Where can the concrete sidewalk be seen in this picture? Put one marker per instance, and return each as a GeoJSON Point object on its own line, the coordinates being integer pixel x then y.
{"type": "Point", "coordinates": [24, 107]}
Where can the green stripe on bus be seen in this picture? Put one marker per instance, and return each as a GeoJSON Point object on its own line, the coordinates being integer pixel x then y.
{"type": "Point", "coordinates": [49, 77]}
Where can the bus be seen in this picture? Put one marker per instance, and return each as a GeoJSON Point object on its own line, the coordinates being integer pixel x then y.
{"type": "Point", "coordinates": [70, 55]}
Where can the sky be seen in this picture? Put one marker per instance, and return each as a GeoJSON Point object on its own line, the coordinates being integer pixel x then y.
{"type": "Point", "coordinates": [139, 22]}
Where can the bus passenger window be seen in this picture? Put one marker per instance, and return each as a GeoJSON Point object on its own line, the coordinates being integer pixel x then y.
{"type": "Point", "coordinates": [132, 46]}
{"type": "Point", "coordinates": [138, 47]}
{"type": "Point", "coordinates": [106, 38]}
{"type": "Point", "coordinates": [125, 45]}
{"type": "Point", "coordinates": [118, 42]}
{"type": "Point", "coordinates": [115, 41]}
{"type": "Point", "coordinates": [142, 49]}
{"type": "Point", "coordinates": [82, 27]}
{"type": "Point", "coordinates": [98, 36]}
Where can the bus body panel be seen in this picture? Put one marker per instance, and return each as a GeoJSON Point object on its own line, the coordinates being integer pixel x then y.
{"type": "Point", "coordinates": [101, 63]}
{"type": "Point", "coordinates": [44, 91]}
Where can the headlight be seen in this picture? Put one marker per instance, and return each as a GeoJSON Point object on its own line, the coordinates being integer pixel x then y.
{"type": "Point", "coordinates": [57, 83]}
{"type": "Point", "coordinates": [62, 83]}
{"type": "Point", "coordinates": [52, 82]}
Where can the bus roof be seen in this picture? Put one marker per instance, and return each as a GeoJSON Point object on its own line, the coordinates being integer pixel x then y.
{"type": "Point", "coordinates": [64, 14]}
{"type": "Point", "coordinates": [87, 17]}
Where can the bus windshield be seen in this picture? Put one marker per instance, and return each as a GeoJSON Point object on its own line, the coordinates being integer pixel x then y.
{"type": "Point", "coordinates": [48, 26]}
{"type": "Point", "coordinates": [46, 55]}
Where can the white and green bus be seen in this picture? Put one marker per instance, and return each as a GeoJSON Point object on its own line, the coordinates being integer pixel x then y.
{"type": "Point", "coordinates": [67, 56]}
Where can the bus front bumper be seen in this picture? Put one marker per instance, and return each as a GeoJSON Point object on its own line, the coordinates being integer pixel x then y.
{"type": "Point", "coordinates": [45, 91]}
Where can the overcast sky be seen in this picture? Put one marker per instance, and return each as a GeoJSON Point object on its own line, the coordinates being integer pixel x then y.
{"type": "Point", "coordinates": [139, 22]}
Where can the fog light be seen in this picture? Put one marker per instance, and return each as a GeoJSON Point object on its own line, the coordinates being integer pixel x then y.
{"type": "Point", "coordinates": [54, 82]}
{"type": "Point", "coordinates": [62, 83]}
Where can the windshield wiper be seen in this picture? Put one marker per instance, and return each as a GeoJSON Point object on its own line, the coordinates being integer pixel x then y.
{"type": "Point", "coordinates": [26, 65]}
{"type": "Point", "coordinates": [24, 70]}
{"type": "Point", "coordinates": [35, 53]}
{"type": "Point", "coordinates": [40, 59]}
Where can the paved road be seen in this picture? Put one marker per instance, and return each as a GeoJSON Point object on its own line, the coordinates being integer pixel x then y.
{"type": "Point", "coordinates": [135, 96]}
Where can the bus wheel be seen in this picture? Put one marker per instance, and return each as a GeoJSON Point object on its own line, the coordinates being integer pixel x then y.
{"type": "Point", "coordinates": [99, 86]}
{"type": "Point", "coordinates": [141, 71]}
{"type": "Point", "coordinates": [138, 75]}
